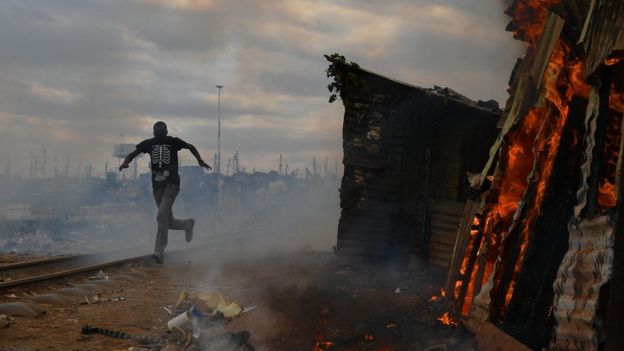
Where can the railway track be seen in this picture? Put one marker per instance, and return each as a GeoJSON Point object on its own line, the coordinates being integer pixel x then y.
{"type": "Point", "coordinates": [22, 271]}
{"type": "Point", "coordinates": [29, 272]}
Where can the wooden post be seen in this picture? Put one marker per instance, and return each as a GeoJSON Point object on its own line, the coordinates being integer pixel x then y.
{"type": "Point", "coordinates": [425, 214]}
{"type": "Point", "coordinates": [461, 242]}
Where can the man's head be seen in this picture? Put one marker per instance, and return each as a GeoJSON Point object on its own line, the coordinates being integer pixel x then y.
{"type": "Point", "coordinates": [160, 129]}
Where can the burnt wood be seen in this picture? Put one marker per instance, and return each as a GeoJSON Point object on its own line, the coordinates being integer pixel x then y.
{"type": "Point", "coordinates": [528, 317]}
{"type": "Point", "coordinates": [597, 169]}
{"type": "Point", "coordinates": [404, 146]}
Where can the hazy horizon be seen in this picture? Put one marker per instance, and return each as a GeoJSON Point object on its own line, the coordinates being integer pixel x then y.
{"type": "Point", "coordinates": [78, 77]}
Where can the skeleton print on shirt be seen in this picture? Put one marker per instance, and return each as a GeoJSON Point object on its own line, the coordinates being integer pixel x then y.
{"type": "Point", "coordinates": [164, 159]}
{"type": "Point", "coordinates": [161, 154]}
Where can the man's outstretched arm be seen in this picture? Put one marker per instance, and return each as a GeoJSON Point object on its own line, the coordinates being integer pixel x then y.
{"type": "Point", "coordinates": [129, 159]}
{"type": "Point", "coordinates": [195, 153]}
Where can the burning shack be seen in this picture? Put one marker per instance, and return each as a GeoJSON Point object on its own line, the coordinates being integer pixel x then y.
{"type": "Point", "coordinates": [406, 154]}
{"type": "Point", "coordinates": [541, 248]}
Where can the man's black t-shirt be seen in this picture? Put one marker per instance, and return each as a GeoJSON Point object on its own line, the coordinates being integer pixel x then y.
{"type": "Point", "coordinates": [164, 159]}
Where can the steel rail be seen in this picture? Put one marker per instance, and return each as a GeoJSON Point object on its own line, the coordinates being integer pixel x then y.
{"type": "Point", "coordinates": [67, 257]}
{"type": "Point", "coordinates": [69, 272]}
{"type": "Point", "coordinates": [38, 262]}
{"type": "Point", "coordinates": [43, 277]}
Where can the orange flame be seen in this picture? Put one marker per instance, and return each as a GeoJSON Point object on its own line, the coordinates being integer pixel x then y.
{"type": "Point", "coordinates": [548, 140]}
{"type": "Point", "coordinates": [538, 134]}
{"type": "Point", "coordinates": [612, 61]}
{"type": "Point", "coordinates": [446, 319]}
{"type": "Point", "coordinates": [607, 197]}
{"type": "Point", "coordinates": [457, 291]}
{"type": "Point", "coordinates": [528, 18]}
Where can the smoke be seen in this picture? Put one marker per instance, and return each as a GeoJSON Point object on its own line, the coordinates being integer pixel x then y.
{"type": "Point", "coordinates": [60, 215]}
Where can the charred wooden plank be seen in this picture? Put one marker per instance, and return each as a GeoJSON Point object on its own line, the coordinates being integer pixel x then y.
{"type": "Point", "coordinates": [614, 335]}
{"type": "Point", "coordinates": [529, 314]}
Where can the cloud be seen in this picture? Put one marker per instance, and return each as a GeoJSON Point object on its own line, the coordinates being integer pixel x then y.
{"type": "Point", "coordinates": [76, 75]}
{"type": "Point", "coordinates": [51, 94]}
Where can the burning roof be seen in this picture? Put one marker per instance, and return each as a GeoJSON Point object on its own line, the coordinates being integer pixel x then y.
{"type": "Point", "coordinates": [540, 249]}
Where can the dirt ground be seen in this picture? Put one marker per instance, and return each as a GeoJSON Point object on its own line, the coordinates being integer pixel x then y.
{"type": "Point", "coordinates": [304, 299]}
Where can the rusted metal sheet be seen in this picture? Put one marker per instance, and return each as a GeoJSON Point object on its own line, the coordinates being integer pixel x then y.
{"type": "Point", "coordinates": [585, 268]}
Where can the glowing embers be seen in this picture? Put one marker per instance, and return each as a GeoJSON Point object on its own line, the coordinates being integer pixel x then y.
{"type": "Point", "coordinates": [446, 319]}
{"type": "Point", "coordinates": [438, 298]}
{"type": "Point", "coordinates": [366, 340]}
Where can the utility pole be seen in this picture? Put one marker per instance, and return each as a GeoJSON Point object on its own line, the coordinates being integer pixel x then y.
{"type": "Point", "coordinates": [44, 164]}
{"type": "Point", "coordinates": [33, 162]}
{"type": "Point", "coordinates": [326, 167]}
{"type": "Point", "coordinates": [219, 87]}
{"type": "Point", "coordinates": [66, 171]}
{"type": "Point", "coordinates": [236, 163]}
{"type": "Point", "coordinates": [280, 165]}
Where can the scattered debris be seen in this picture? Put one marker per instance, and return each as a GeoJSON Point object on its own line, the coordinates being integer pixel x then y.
{"type": "Point", "coordinates": [180, 321]}
{"type": "Point", "coordinates": [208, 302]}
{"type": "Point", "coordinates": [11, 296]}
{"type": "Point", "coordinates": [168, 310]}
{"type": "Point", "coordinates": [248, 309]}
{"type": "Point", "coordinates": [89, 329]}
{"type": "Point", "coordinates": [100, 276]}
{"type": "Point", "coordinates": [183, 297]}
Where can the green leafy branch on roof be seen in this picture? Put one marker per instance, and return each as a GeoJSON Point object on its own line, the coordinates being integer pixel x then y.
{"type": "Point", "coordinates": [343, 74]}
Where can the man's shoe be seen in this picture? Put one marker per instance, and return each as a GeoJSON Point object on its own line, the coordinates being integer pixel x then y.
{"type": "Point", "coordinates": [189, 232]}
{"type": "Point", "coordinates": [158, 257]}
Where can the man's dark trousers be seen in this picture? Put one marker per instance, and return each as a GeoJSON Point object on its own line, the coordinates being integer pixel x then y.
{"type": "Point", "coordinates": [165, 197]}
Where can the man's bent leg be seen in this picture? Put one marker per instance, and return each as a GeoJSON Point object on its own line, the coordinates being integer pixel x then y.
{"type": "Point", "coordinates": [182, 224]}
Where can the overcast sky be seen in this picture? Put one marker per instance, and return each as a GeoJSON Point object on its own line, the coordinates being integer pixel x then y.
{"type": "Point", "coordinates": [76, 74]}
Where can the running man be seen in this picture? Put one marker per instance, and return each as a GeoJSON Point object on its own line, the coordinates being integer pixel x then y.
{"type": "Point", "coordinates": [163, 151]}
